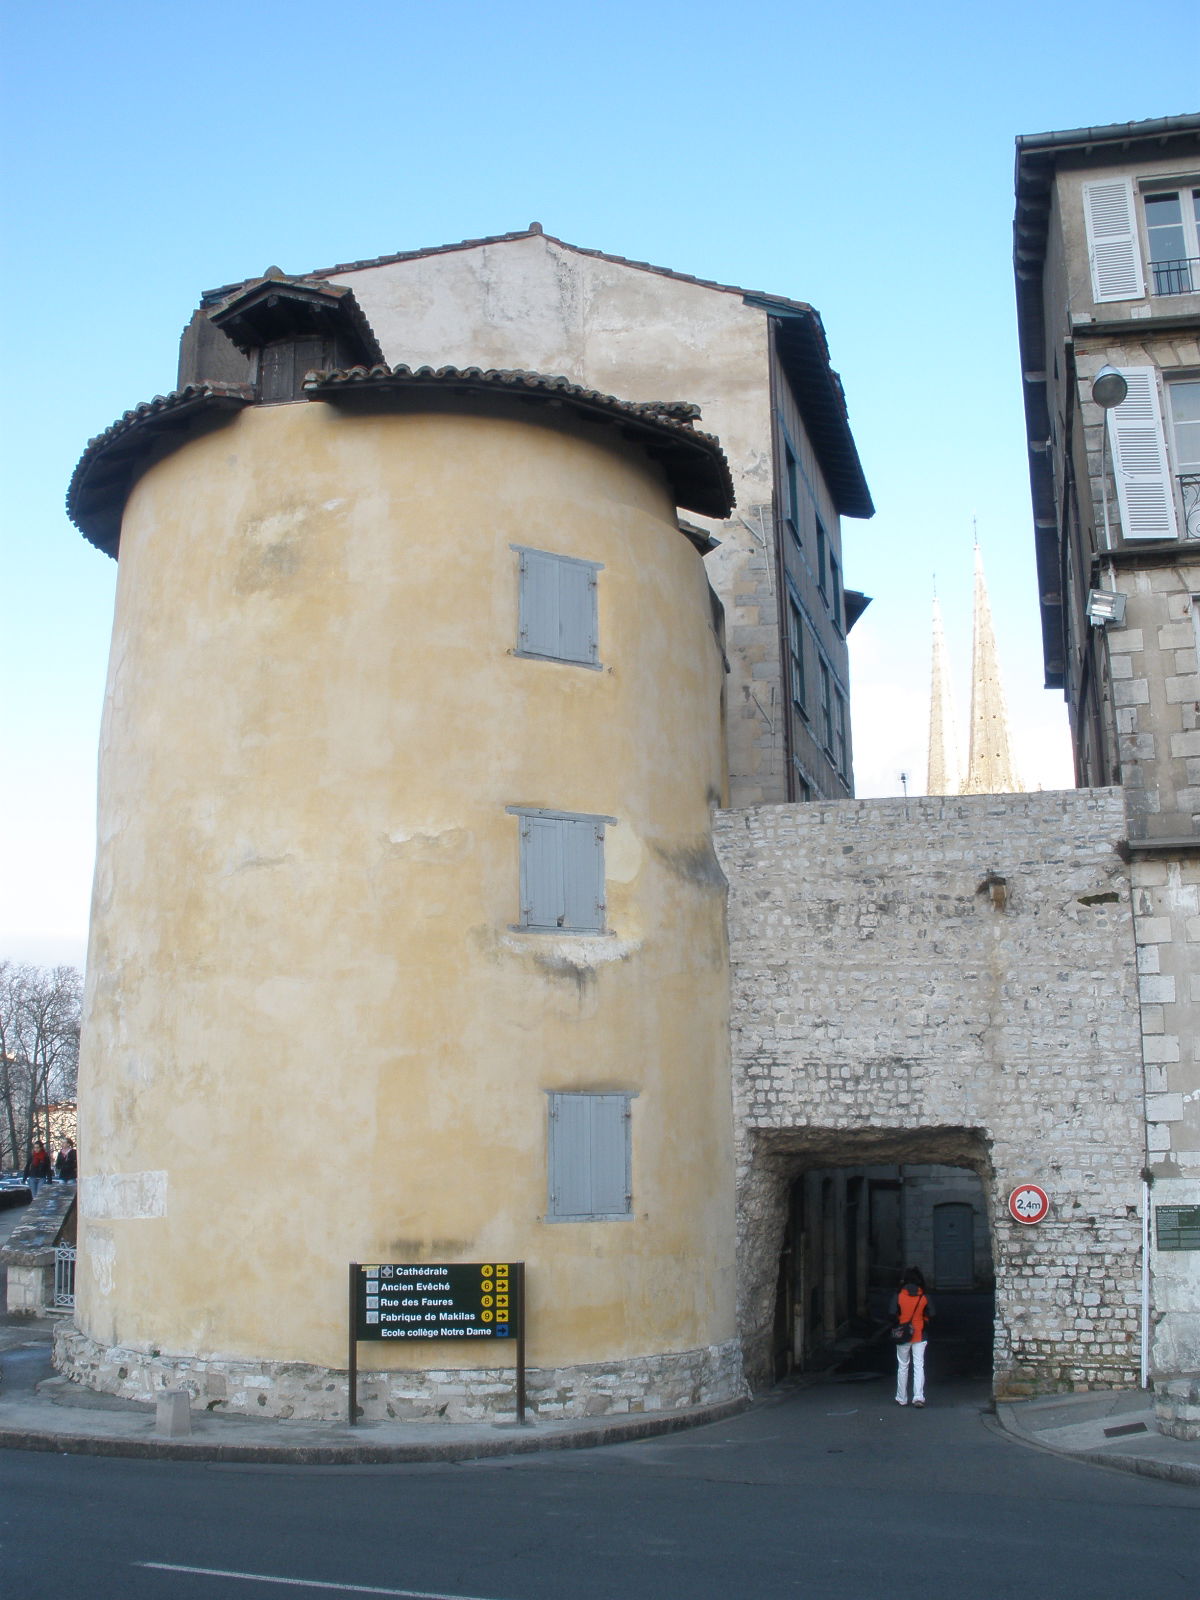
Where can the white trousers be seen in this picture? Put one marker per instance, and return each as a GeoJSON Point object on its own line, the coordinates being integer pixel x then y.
{"type": "Point", "coordinates": [914, 1355]}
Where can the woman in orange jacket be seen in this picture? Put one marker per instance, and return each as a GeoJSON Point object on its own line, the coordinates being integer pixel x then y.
{"type": "Point", "coordinates": [911, 1305]}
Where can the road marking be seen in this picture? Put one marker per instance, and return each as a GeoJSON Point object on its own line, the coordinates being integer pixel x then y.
{"type": "Point", "coordinates": [306, 1583]}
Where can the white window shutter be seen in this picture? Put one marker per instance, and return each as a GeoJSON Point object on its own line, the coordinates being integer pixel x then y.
{"type": "Point", "coordinates": [1113, 249]}
{"type": "Point", "coordinates": [1139, 451]}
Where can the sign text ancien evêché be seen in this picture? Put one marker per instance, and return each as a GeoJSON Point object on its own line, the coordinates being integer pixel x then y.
{"type": "Point", "coordinates": [427, 1301]}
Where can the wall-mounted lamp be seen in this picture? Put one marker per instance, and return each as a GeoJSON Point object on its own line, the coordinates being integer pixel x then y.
{"type": "Point", "coordinates": [1105, 605]}
{"type": "Point", "coordinates": [1109, 389]}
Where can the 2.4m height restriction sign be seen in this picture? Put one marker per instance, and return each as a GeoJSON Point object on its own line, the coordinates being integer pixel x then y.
{"type": "Point", "coordinates": [1028, 1203]}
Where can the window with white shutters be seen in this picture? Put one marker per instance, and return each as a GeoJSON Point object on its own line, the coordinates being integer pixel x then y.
{"type": "Point", "coordinates": [589, 1158]}
{"type": "Point", "coordinates": [1145, 493]}
{"type": "Point", "coordinates": [1113, 250]}
{"type": "Point", "coordinates": [561, 871]}
{"type": "Point", "coordinates": [557, 611]}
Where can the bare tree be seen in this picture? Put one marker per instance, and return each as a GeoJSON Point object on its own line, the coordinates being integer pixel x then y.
{"type": "Point", "coordinates": [39, 1052]}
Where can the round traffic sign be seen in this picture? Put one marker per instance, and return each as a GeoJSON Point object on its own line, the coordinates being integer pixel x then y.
{"type": "Point", "coordinates": [1028, 1203]}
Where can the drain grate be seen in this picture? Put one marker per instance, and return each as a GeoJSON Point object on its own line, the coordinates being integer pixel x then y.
{"type": "Point", "coordinates": [1126, 1427]}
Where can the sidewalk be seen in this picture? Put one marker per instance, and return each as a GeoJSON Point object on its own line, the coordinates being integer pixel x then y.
{"type": "Point", "coordinates": [40, 1411]}
{"type": "Point", "coordinates": [1114, 1428]}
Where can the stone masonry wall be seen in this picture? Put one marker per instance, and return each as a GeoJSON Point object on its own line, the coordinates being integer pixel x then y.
{"type": "Point", "coordinates": [291, 1390]}
{"type": "Point", "coordinates": [1156, 690]}
{"type": "Point", "coordinates": [949, 980]}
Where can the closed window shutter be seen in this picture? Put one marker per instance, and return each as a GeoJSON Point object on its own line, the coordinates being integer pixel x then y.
{"type": "Point", "coordinates": [1113, 250]}
{"type": "Point", "coordinates": [543, 896]}
{"type": "Point", "coordinates": [1140, 467]}
{"type": "Point", "coordinates": [583, 874]}
{"type": "Point", "coordinates": [562, 874]}
{"type": "Point", "coordinates": [539, 603]}
{"type": "Point", "coordinates": [610, 1154]}
{"type": "Point", "coordinates": [557, 613]}
{"type": "Point", "coordinates": [576, 612]}
{"type": "Point", "coordinates": [589, 1155]}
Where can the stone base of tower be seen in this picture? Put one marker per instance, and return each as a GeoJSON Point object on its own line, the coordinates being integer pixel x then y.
{"type": "Point", "coordinates": [289, 1389]}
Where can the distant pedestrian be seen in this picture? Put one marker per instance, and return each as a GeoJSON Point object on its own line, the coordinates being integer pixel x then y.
{"type": "Point", "coordinates": [912, 1308]}
{"type": "Point", "coordinates": [37, 1168]}
{"type": "Point", "coordinates": [66, 1163]}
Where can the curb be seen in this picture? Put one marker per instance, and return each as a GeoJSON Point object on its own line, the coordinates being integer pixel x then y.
{"type": "Point", "coordinates": [1183, 1472]}
{"type": "Point", "coordinates": [1144, 1466]}
{"type": "Point", "coordinates": [624, 1431]}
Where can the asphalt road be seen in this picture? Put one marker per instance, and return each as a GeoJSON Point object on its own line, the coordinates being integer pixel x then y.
{"type": "Point", "coordinates": [829, 1493]}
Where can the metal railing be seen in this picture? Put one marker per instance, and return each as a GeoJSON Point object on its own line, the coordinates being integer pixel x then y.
{"type": "Point", "coordinates": [1177, 277]}
{"type": "Point", "coordinates": [1189, 491]}
{"type": "Point", "coordinates": [64, 1276]}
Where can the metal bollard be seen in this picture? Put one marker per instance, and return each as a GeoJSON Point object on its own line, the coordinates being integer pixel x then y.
{"type": "Point", "coordinates": [174, 1417]}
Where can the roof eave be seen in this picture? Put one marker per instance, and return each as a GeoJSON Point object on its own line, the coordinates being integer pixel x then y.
{"type": "Point", "coordinates": [694, 462]}
{"type": "Point", "coordinates": [113, 461]}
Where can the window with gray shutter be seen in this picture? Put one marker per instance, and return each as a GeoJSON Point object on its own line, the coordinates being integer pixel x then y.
{"type": "Point", "coordinates": [557, 614]}
{"type": "Point", "coordinates": [561, 871]}
{"type": "Point", "coordinates": [589, 1158]}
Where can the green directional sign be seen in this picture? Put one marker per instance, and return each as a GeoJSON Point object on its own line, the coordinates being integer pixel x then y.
{"type": "Point", "coordinates": [397, 1300]}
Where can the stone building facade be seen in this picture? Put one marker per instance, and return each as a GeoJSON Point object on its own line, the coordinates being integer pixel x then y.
{"type": "Point", "coordinates": [1107, 255]}
{"type": "Point", "coordinates": [949, 981]}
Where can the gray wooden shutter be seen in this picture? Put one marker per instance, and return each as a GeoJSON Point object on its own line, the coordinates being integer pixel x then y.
{"type": "Point", "coordinates": [543, 897]}
{"type": "Point", "coordinates": [538, 603]}
{"type": "Point", "coordinates": [557, 614]}
{"type": "Point", "coordinates": [1114, 254]}
{"type": "Point", "coordinates": [589, 1155]}
{"type": "Point", "coordinates": [583, 874]}
{"type": "Point", "coordinates": [576, 612]}
{"type": "Point", "coordinates": [1145, 493]}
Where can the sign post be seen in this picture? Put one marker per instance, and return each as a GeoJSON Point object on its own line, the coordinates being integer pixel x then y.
{"type": "Point", "coordinates": [399, 1300]}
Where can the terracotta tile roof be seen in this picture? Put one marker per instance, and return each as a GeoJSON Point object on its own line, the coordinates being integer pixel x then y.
{"type": "Point", "coordinates": [250, 316]}
{"type": "Point", "coordinates": [110, 462]}
{"type": "Point", "coordinates": [694, 461]}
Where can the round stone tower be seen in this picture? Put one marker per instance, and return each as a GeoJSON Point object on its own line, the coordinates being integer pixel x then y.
{"type": "Point", "coordinates": [408, 936]}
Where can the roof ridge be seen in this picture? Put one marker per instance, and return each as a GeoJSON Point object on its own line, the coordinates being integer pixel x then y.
{"type": "Point", "coordinates": [536, 231]}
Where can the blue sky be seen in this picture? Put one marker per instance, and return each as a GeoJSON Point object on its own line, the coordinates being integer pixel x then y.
{"type": "Point", "coordinates": [861, 160]}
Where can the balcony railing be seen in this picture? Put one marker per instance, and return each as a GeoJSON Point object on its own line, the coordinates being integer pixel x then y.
{"type": "Point", "coordinates": [1189, 491]}
{"type": "Point", "coordinates": [1177, 277]}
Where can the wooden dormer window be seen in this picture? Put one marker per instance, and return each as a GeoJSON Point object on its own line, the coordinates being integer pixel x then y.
{"type": "Point", "coordinates": [283, 363]}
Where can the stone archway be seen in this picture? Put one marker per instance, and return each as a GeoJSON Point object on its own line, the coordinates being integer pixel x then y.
{"type": "Point", "coordinates": [822, 1214]}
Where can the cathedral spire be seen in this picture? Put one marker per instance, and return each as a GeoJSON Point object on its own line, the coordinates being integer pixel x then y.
{"type": "Point", "coordinates": [990, 767]}
{"type": "Point", "coordinates": [942, 773]}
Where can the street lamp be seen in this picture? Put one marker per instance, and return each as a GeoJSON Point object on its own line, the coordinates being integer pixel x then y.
{"type": "Point", "coordinates": [1109, 389]}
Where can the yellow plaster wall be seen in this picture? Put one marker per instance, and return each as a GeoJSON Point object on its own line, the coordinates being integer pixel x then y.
{"type": "Point", "coordinates": [308, 1013]}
